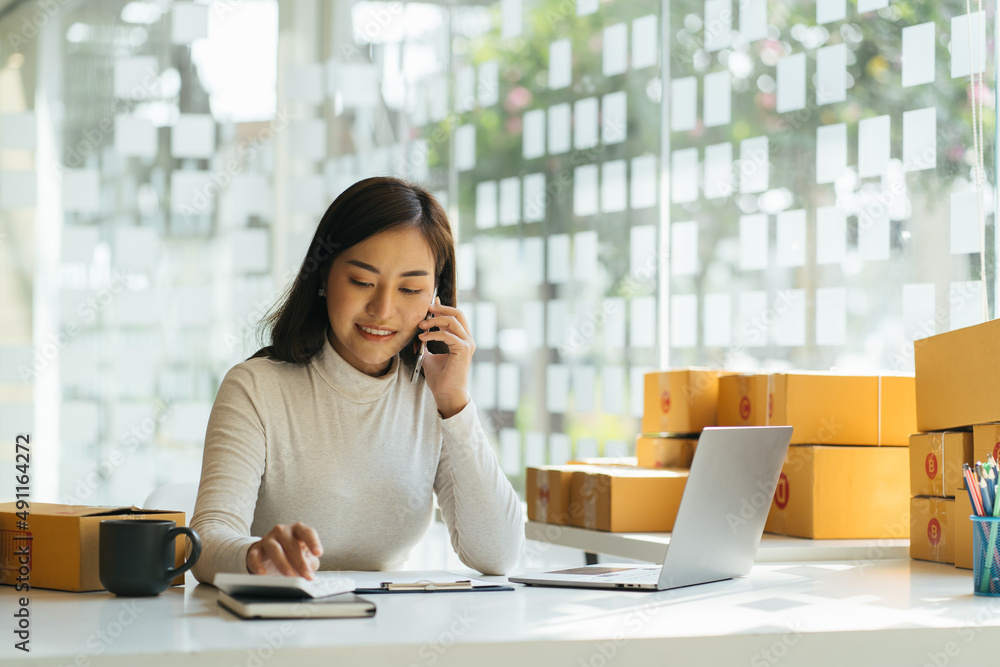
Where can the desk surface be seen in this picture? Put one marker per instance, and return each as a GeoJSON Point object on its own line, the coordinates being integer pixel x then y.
{"type": "Point", "coordinates": [871, 612]}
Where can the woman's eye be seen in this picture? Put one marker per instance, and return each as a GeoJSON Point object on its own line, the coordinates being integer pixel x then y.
{"type": "Point", "coordinates": [409, 291]}
{"type": "Point", "coordinates": [360, 284]}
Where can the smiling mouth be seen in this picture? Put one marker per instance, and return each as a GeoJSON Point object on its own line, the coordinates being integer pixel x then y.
{"type": "Point", "coordinates": [373, 333]}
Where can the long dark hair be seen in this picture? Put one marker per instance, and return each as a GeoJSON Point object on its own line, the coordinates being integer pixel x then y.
{"type": "Point", "coordinates": [296, 326]}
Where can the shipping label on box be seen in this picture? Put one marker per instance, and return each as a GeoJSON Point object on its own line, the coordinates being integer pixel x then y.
{"type": "Point", "coordinates": [623, 500]}
{"type": "Point", "coordinates": [929, 530]}
{"type": "Point", "coordinates": [962, 526]}
{"type": "Point", "coordinates": [985, 441]}
{"type": "Point", "coordinates": [823, 408]}
{"type": "Point", "coordinates": [653, 452]}
{"type": "Point", "coordinates": [680, 401]}
{"type": "Point", "coordinates": [936, 463]}
{"type": "Point", "coordinates": [546, 491]}
{"type": "Point", "coordinates": [842, 493]}
{"type": "Point", "coordinates": [64, 543]}
{"type": "Point", "coordinates": [958, 377]}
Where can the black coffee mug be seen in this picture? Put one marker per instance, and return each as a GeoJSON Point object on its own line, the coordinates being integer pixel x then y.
{"type": "Point", "coordinates": [137, 555]}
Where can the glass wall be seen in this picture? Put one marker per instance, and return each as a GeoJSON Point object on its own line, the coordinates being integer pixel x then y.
{"type": "Point", "coordinates": [744, 184]}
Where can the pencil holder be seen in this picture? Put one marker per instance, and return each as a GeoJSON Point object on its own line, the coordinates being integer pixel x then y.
{"type": "Point", "coordinates": [986, 556]}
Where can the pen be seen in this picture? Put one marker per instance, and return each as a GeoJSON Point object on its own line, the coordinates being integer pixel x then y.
{"type": "Point", "coordinates": [987, 503]}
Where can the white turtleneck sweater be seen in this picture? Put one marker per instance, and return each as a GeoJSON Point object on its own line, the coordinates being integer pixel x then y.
{"type": "Point", "coordinates": [356, 458]}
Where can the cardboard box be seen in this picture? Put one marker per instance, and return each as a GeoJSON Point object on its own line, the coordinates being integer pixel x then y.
{"type": "Point", "coordinates": [612, 461]}
{"type": "Point", "coordinates": [929, 530]}
{"type": "Point", "coordinates": [546, 490]}
{"type": "Point", "coordinates": [985, 441]}
{"type": "Point", "coordinates": [622, 500]}
{"type": "Point", "coordinates": [680, 401]}
{"type": "Point", "coordinates": [842, 493]}
{"type": "Point", "coordinates": [657, 452]}
{"type": "Point", "coordinates": [64, 542]}
{"type": "Point", "coordinates": [823, 408]}
{"type": "Point", "coordinates": [958, 377]}
{"type": "Point", "coordinates": [936, 461]}
{"type": "Point", "coordinates": [962, 526]}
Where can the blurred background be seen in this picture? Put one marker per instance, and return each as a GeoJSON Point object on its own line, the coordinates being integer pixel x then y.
{"type": "Point", "coordinates": [747, 184]}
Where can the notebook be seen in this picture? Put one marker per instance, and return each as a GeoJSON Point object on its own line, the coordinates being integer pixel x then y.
{"type": "Point", "coordinates": [719, 523]}
{"type": "Point", "coordinates": [343, 605]}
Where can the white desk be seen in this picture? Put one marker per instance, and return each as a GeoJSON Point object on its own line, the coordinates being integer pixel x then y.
{"type": "Point", "coordinates": [651, 547]}
{"type": "Point", "coordinates": [879, 612]}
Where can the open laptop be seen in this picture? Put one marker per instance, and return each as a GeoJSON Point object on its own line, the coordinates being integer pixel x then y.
{"type": "Point", "coordinates": [719, 523]}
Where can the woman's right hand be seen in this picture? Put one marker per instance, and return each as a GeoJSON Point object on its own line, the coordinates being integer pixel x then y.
{"type": "Point", "coordinates": [293, 551]}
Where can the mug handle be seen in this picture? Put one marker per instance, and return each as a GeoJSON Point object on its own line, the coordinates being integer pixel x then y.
{"type": "Point", "coordinates": [195, 550]}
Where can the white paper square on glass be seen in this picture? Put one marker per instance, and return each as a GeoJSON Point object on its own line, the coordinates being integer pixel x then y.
{"type": "Point", "coordinates": [920, 139]}
{"type": "Point", "coordinates": [960, 54]}
{"type": "Point", "coordinates": [560, 449]}
{"type": "Point", "coordinates": [534, 134]}
{"type": "Point", "coordinates": [560, 128]}
{"type": "Point", "coordinates": [512, 18]}
{"type": "Point", "coordinates": [509, 389]}
{"type": "Point", "coordinates": [965, 234]}
{"type": "Point", "coordinates": [642, 322]}
{"type": "Point", "coordinates": [831, 152]}
{"type": "Point", "coordinates": [560, 64]}
{"type": "Point", "coordinates": [644, 187]}
{"type": "Point", "coordinates": [534, 197]}
{"type": "Point", "coordinates": [465, 147]}
{"type": "Point", "coordinates": [643, 254]}
{"type": "Point", "coordinates": [533, 323]}
{"type": "Point", "coordinates": [79, 243]}
{"type": "Point", "coordinates": [645, 30]}
{"type": "Point", "coordinates": [190, 192]}
{"type": "Point", "coordinates": [585, 265]}
{"type": "Point", "coordinates": [754, 165]}
{"type": "Point", "coordinates": [534, 449]}
{"type": "Point", "coordinates": [585, 123]}
{"type": "Point", "coordinates": [614, 118]}
{"type": "Point", "coordinates": [307, 194]}
{"type": "Point", "coordinates": [684, 183]}
{"type": "Point", "coordinates": [718, 24]}
{"type": "Point", "coordinates": [304, 83]}
{"type": "Point", "coordinates": [613, 186]}
{"type": "Point", "coordinates": [718, 99]}
{"type": "Point", "coordinates": [789, 329]}
{"type": "Point", "coordinates": [791, 83]}
{"type": "Point", "coordinates": [753, 19]}
{"type": "Point", "coordinates": [683, 320]}
{"type": "Point", "coordinates": [873, 233]}
{"type": "Point", "coordinates": [585, 192]}
{"type": "Point", "coordinates": [919, 54]}
{"type": "Point", "coordinates": [556, 322]}
{"type": "Point", "coordinates": [831, 74]}
{"type": "Point", "coordinates": [510, 200]}
{"type": "Point", "coordinates": [135, 247]}
{"type": "Point", "coordinates": [612, 390]}
{"type": "Point", "coordinates": [251, 250]}
{"type": "Point", "coordinates": [486, 204]}
{"type": "Point", "coordinates": [614, 325]}
{"type": "Point", "coordinates": [484, 382]}
{"type": "Point", "coordinates": [359, 84]}
{"type": "Point", "coordinates": [586, 7]}
{"type": "Point", "coordinates": [753, 242]}
{"type": "Point", "coordinates": [558, 259]}
{"type": "Point", "coordinates": [918, 311]}
{"type": "Point", "coordinates": [510, 451]}
{"type": "Point", "coordinates": [871, 5]}
{"type": "Point", "coordinates": [486, 325]}
{"type": "Point", "coordinates": [136, 78]}
{"type": "Point", "coordinates": [966, 301]}
{"type": "Point", "coordinates": [684, 248]}
{"type": "Point", "coordinates": [193, 136]}
{"type": "Point", "coordinates": [831, 235]}
{"type": "Point", "coordinates": [828, 11]}
{"type": "Point", "coordinates": [873, 146]}
{"type": "Point", "coordinates": [81, 190]}
{"type": "Point", "coordinates": [488, 88]}
{"type": "Point", "coordinates": [584, 379]}
{"type": "Point", "coordinates": [683, 104]}
{"type": "Point", "coordinates": [615, 59]}
{"type": "Point", "coordinates": [188, 22]}
{"type": "Point", "coordinates": [465, 266]}
{"type": "Point", "coordinates": [791, 238]}
{"type": "Point", "coordinates": [831, 316]}
{"type": "Point", "coordinates": [718, 171]}
{"type": "Point", "coordinates": [754, 323]}
{"type": "Point", "coordinates": [135, 137]}
{"type": "Point", "coordinates": [465, 88]}
{"type": "Point", "coordinates": [717, 319]}
{"type": "Point", "coordinates": [18, 131]}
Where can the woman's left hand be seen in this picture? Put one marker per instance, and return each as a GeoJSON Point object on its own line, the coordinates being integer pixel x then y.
{"type": "Point", "coordinates": [448, 374]}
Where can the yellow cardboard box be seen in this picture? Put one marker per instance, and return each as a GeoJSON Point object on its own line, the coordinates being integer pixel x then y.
{"type": "Point", "coordinates": [958, 377]}
{"type": "Point", "coordinates": [823, 408]}
{"type": "Point", "coordinates": [623, 500]}
{"type": "Point", "coordinates": [63, 543]}
{"type": "Point", "coordinates": [842, 493]}
{"type": "Point", "coordinates": [929, 531]}
{"type": "Point", "coordinates": [985, 441]}
{"type": "Point", "coordinates": [962, 527]}
{"type": "Point", "coordinates": [936, 461]}
{"type": "Point", "coordinates": [657, 452]}
{"type": "Point", "coordinates": [680, 401]}
{"type": "Point", "coordinates": [546, 490]}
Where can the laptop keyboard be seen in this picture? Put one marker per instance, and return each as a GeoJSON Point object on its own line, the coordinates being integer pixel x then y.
{"type": "Point", "coordinates": [645, 575]}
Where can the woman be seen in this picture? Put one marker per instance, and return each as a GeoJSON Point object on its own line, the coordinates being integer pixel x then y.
{"type": "Point", "coordinates": [321, 453]}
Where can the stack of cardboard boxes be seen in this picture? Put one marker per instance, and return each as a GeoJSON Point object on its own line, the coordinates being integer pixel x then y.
{"type": "Point", "coordinates": [642, 497]}
{"type": "Point", "coordinates": [845, 475]}
{"type": "Point", "coordinates": [957, 389]}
